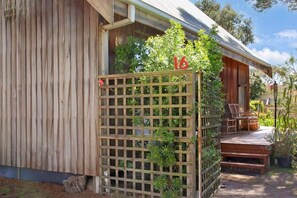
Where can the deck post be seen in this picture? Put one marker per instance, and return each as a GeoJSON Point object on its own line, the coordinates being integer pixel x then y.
{"type": "Point", "coordinates": [199, 138]}
{"type": "Point", "coordinates": [104, 62]}
{"type": "Point", "coordinates": [96, 184]}
{"type": "Point", "coordinates": [275, 102]}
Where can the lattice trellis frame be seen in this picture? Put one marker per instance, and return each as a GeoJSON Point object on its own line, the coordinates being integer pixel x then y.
{"type": "Point", "coordinates": [210, 116]}
{"type": "Point", "coordinates": [156, 99]}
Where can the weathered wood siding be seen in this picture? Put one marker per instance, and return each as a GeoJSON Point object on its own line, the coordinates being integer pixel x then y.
{"type": "Point", "coordinates": [235, 74]}
{"type": "Point", "coordinates": [48, 87]}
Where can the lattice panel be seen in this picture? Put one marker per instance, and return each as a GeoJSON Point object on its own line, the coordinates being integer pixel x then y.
{"type": "Point", "coordinates": [210, 132]}
{"type": "Point", "coordinates": [131, 108]}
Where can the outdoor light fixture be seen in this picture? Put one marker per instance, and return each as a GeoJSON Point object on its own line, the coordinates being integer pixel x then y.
{"type": "Point", "coordinates": [275, 101]}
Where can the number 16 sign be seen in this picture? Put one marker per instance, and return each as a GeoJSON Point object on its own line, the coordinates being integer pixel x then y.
{"type": "Point", "coordinates": [183, 64]}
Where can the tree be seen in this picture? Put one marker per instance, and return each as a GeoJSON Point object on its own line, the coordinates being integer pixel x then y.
{"type": "Point", "coordinates": [262, 5]}
{"type": "Point", "coordinates": [257, 86]}
{"type": "Point", "coordinates": [236, 24]}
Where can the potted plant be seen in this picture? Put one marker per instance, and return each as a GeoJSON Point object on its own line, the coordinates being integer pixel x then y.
{"type": "Point", "coordinates": [283, 148]}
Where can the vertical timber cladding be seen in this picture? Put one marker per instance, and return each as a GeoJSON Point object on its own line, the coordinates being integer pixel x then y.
{"type": "Point", "coordinates": [124, 169]}
{"type": "Point", "coordinates": [48, 85]}
{"type": "Point", "coordinates": [209, 177]}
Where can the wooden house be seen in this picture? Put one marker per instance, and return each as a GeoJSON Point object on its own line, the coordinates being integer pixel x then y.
{"type": "Point", "coordinates": [51, 52]}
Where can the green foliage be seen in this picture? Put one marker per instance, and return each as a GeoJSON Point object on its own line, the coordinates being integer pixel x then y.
{"type": "Point", "coordinates": [213, 55]}
{"type": "Point", "coordinates": [156, 53]}
{"type": "Point", "coordinates": [169, 187]}
{"type": "Point", "coordinates": [257, 87]}
{"type": "Point", "coordinates": [257, 105]}
{"type": "Point", "coordinates": [160, 183]}
{"type": "Point", "coordinates": [137, 121]}
{"type": "Point", "coordinates": [162, 148]}
{"type": "Point", "coordinates": [121, 164]}
{"type": "Point", "coordinates": [266, 119]}
{"type": "Point", "coordinates": [236, 24]}
{"type": "Point", "coordinates": [203, 55]}
{"type": "Point", "coordinates": [285, 136]}
{"type": "Point", "coordinates": [5, 191]}
{"type": "Point", "coordinates": [211, 153]}
{"type": "Point", "coordinates": [261, 5]}
{"type": "Point", "coordinates": [162, 49]}
{"type": "Point", "coordinates": [286, 131]}
{"type": "Point", "coordinates": [162, 153]}
{"type": "Point", "coordinates": [130, 56]}
{"type": "Point", "coordinates": [288, 77]}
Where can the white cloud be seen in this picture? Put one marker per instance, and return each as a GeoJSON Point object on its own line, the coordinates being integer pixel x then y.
{"type": "Point", "coordinates": [294, 45]}
{"type": "Point", "coordinates": [257, 40]}
{"type": "Point", "coordinates": [273, 57]}
{"type": "Point", "coordinates": [287, 34]}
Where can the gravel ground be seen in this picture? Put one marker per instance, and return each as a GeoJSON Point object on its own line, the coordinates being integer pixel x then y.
{"type": "Point", "coordinates": [278, 183]}
{"type": "Point", "coordinates": [275, 184]}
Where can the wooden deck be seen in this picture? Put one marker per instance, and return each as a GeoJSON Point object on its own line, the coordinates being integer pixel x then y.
{"type": "Point", "coordinates": [252, 138]}
{"type": "Point", "coordinates": [238, 149]}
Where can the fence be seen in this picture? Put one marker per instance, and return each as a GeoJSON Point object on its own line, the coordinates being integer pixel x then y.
{"type": "Point", "coordinates": [209, 177]}
{"type": "Point", "coordinates": [132, 109]}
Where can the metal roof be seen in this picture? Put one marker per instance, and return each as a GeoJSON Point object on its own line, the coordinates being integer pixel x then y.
{"type": "Point", "coordinates": [193, 19]}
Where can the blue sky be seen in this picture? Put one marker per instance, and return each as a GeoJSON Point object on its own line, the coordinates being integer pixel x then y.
{"type": "Point", "coordinates": [275, 30]}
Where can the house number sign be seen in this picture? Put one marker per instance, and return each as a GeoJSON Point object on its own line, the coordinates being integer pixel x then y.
{"type": "Point", "coordinates": [183, 64]}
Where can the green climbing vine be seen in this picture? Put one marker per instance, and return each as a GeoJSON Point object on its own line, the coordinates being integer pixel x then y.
{"type": "Point", "coordinates": [156, 54]}
{"type": "Point", "coordinates": [161, 152]}
{"type": "Point", "coordinates": [211, 153]}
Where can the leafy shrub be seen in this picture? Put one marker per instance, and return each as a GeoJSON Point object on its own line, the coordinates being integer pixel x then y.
{"type": "Point", "coordinates": [171, 188]}
{"type": "Point", "coordinates": [157, 54]}
{"type": "Point", "coordinates": [130, 56]}
{"type": "Point", "coordinates": [257, 105]}
{"type": "Point", "coordinates": [266, 121]}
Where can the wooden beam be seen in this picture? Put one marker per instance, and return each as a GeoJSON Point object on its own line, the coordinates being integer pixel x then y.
{"type": "Point", "coordinates": [142, 17]}
{"type": "Point", "coordinates": [239, 58]}
{"type": "Point", "coordinates": [105, 8]}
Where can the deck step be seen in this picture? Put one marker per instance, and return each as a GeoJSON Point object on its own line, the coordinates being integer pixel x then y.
{"type": "Point", "coordinates": [260, 167]}
{"type": "Point", "coordinates": [244, 155]}
{"type": "Point", "coordinates": [244, 148]}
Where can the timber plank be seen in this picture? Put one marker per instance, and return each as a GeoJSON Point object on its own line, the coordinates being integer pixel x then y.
{"type": "Point", "coordinates": [93, 89]}
{"type": "Point", "coordinates": [243, 165]}
{"type": "Point", "coordinates": [34, 87]}
{"type": "Point", "coordinates": [39, 68]}
{"type": "Point", "coordinates": [86, 85]}
{"type": "Point", "coordinates": [50, 132]}
{"type": "Point", "coordinates": [22, 48]}
{"type": "Point", "coordinates": [105, 7]}
{"type": "Point", "coordinates": [80, 104]}
{"type": "Point", "coordinates": [56, 85]}
{"type": "Point", "coordinates": [29, 120]}
{"type": "Point", "coordinates": [244, 155]}
{"type": "Point", "coordinates": [73, 91]}
{"type": "Point", "coordinates": [67, 113]}
{"type": "Point", "coordinates": [43, 82]}
{"type": "Point", "coordinates": [13, 109]}
{"type": "Point", "coordinates": [9, 94]}
{"type": "Point", "coordinates": [18, 86]}
{"type": "Point", "coordinates": [244, 148]}
{"type": "Point", "coordinates": [2, 66]}
{"type": "Point", "coordinates": [260, 167]}
{"type": "Point", "coordinates": [61, 85]}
